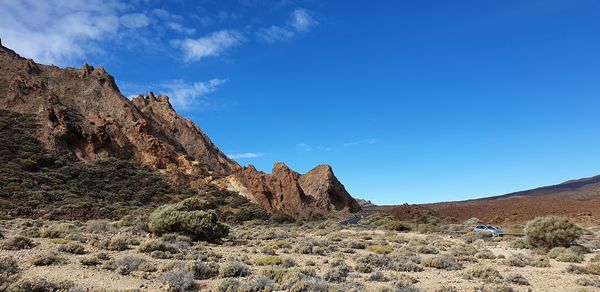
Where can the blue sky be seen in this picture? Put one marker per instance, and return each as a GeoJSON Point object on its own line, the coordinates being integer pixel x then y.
{"type": "Point", "coordinates": [410, 101]}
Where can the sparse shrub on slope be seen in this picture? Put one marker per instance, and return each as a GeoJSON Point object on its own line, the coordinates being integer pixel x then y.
{"type": "Point", "coordinates": [563, 254]}
{"type": "Point", "coordinates": [549, 232]}
{"type": "Point", "coordinates": [18, 242]}
{"type": "Point", "coordinates": [188, 218]}
{"type": "Point", "coordinates": [484, 273]}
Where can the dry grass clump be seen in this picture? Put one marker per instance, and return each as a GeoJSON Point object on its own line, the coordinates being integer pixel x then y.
{"type": "Point", "coordinates": [179, 280]}
{"type": "Point", "coordinates": [17, 243]}
{"type": "Point", "coordinates": [166, 246]}
{"type": "Point", "coordinates": [274, 261]}
{"type": "Point", "coordinates": [549, 232]}
{"type": "Point", "coordinates": [203, 271]}
{"type": "Point", "coordinates": [39, 284]}
{"type": "Point", "coordinates": [588, 282]}
{"type": "Point", "coordinates": [115, 243]}
{"type": "Point", "coordinates": [517, 260]}
{"type": "Point", "coordinates": [72, 247]}
{"type": "Point", "coordinates": [125, 265]}
{"type": "Point", "coordinates": [48, 259]}
{"type": "Point", "coordinates": [99, 227]}
{"type": "Point", "coordinates": [483, 273]}
{"type": "Point", "coordinates": [314, 247]}
{"type": "Point", "coordinates": [485, 254]}
{"type": "Point", "coordinates": [381, 249]}
{"type": "Point", "coordinates": [516, 279]}
{"type": "Point", "coordinates": [442, 262]}
{"type": "Point", "coordinates": [60, 230]}
{"type": "Point", "coordinates": [337, 272]}
{"type": "Point", "coordinates": [9, 270]}
{"type": "Point", "coordinates": [296, 279]}
{"type": "Point", "coordinates": [563, 254]}
{"type": "Point", "coordinates": [252, 284]}
{"type": "Point", "coordinates": [233, 268]}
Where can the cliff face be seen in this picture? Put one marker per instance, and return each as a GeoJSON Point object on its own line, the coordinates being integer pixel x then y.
{"type": "Point", "coordinates": [84, 116]}
{"type": "Point", "coordinates": [286, 191]}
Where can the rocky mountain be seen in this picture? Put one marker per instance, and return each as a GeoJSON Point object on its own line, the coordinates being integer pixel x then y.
{"type": "Point", "coordinates": [83, 116]}
{"type": "Point", "coordinates": [316, 192]}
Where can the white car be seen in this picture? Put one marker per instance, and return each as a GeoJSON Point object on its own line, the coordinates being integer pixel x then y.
{"type": "Point", "coordinates": [493, 230]}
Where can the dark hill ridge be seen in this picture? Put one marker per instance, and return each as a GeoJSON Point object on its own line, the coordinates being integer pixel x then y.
{"type": "Point", "coordinates": [83, 116]}
{"type": "Point", "coordinates": [578, 199]}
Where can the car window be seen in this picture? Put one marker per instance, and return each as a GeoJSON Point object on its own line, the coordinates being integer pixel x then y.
{"type": "Point", "coordinates": [491, 227]}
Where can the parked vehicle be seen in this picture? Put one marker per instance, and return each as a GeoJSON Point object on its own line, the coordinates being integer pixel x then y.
{"type": "Point", "coordinates": [493, 230]}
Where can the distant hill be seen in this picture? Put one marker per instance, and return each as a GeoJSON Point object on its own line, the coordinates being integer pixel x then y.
{"type": "Point", "coordinates": [578, 199]}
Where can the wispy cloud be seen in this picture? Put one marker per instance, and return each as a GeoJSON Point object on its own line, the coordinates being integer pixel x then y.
{"type": "Point", "coordinates": [303, 147]}
{"type": "Point", "coordinates": [211, 45]}
{"type": "Point", "coordinates": [300, 20]}
{"type": "Point", "coordinates": [183, 95]}
{"type": "Point", "coordinates": [56, 32]}
{"type": "Point", "coordinates": [134, 20]}
{"type": "Point", "coordinates": [247, 155]}
{"type": "Point", "coordinates": [354, 143]}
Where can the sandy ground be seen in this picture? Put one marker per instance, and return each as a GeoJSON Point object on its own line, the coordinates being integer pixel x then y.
{"type": "Point", "coordinates": [247, 249]}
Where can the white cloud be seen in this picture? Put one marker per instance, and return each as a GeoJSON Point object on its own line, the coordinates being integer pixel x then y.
{"type": "Point", "coordinates": [134, 20]}
{"type": "Point", "coordinates": [304, 147]}
{"type": "Point", "coordinates": [57, 32]}
{"type": "Point", "coordinates": [177, 27]}
{"type": "Point", "coordinates": [366, 141]}
{"type": "Point", "coordinates": [245, 155]}
{"type": "Point", "coordinates": [211, 45]}
{"type": "Point", "coordinates": [302, 20]}
{"type": "Point", "coordinates": [274, 33]}
{"type": "Point", "coordinates": [184, 95]}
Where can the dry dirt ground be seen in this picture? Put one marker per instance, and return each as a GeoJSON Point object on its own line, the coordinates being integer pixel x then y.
{"type": "Point", "coordinates": [314, 256]}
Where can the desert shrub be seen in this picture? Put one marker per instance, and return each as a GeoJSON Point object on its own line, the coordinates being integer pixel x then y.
{"type": "Point", "coordinates": [540, 262]}
{"type": "Point", "coordinates": [296, 279]}
{"type": "Point", "coordinates": [427, 228]}
{"type": "Point", "coordinates": [483, 273]}
{"type": "Point", "coordinates": [60, 230]}
{"type": "Point", "coordinates": [72, 247]}
{"type": "Point", "coordinates": [519, 243]}
{"type": "Point", "coordinates": [471, 236]}
{"type": "Point", "coordinates": [441, 262]}
{"type": "Point", "coordinates": [349, 286]}
{"type": "Point", "coordinates": [267, 250]}
{"type": "Point", "coordinates": [588, 282]}
{"type": "Point", "coordinates": [18, 242]}
{"type": "Point", "coordinates": [233, 269]}
{"type": "Point", "coordinates": [8, 266]}
{"type": "Point", "coordinates": [378, 276]}
{"type": "Point", "coordinates": [126, 264]}
{"type": "Point", "coordinates": [90, 261]}
{"type": "Point", "coordinates": [311, 247]}
{"type": "Point", "coordinates": [595, 258]}
{"type": "Point", "coordinates": [485, 254]}
{"type": "Point", "coordinates": [281, 218]}
{"type": "Point", "coordinates": [337, 272]}
{"type": "Point", "coordinates": [517, 260]}
{"type": "Point", "coordinates": [41, 285]}
{"type": "Point", "coordinates": [381, 249]}
{"type": "Point", "coordinates": [593, 268]}
{"type": "Point", "coordinates": [355, 244]}
{"type": "Point", "coordinates": [115, 243]}
{"type": "Point", "coordinates": [166, 245]}
{"type": "Point", "coordinates": [426, 249]}
{"type": "Point", "coordinates": [203, 271]}
{"type": "Point", "coordinates": [48, 259]}
{"type": "Point", "coordinates": [249, 285]}
{"type": "Point", "coordinates": [396, 226]}
{"type": "Point", "coordinates": [373, 260]}
{"type": "Point", "coordinates": [187, 218]}
{"type": "Point", "coordinates": [563, 254]}
{"type": "Point", "coordinates": [269, 261]}
{"type": "Point", "coordinates": [179, 280]}
{"type": "Point", "coordinates": [549, 232]}
{"type": "Point", "coordinates": [516, 279]}
{"type": "Point", "coordinates": [363, 268]}
{"type": "Point", "coordinates": [576, 269]}
{"type": "Point", "coordinates": [497, 288]}
{"type": "Point", "coordinates": [404, 281]}
{"type": "Point", "coordinates": [99, 226]}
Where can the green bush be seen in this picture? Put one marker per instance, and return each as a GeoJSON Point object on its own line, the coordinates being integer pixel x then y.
{"type": "Point", "coordinates": [563, 254]}
{"type": "Point", "coordinates": [187, 218]}
{"type": "Point", "coordinates": [549, 232]}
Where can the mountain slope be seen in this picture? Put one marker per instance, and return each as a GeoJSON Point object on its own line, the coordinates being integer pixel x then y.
{"type": "Point", "coordinates": [578, 199]}
{"type": "Point", "coordinates": [83, 116]}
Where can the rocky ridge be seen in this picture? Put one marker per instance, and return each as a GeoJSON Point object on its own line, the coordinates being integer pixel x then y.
{"type": "Point", "coordinates": [84, 116]}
